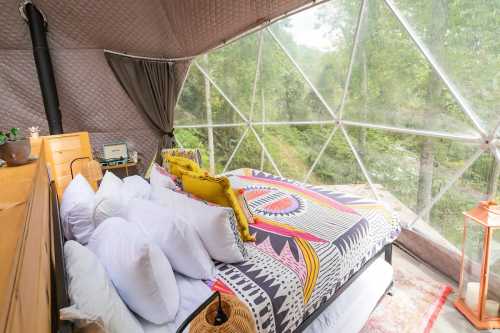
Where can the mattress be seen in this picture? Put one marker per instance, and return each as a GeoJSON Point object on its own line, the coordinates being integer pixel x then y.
{"type": "Point", "coordinates": [347, 314]}
{"type": "Point", "coordinates": [309, 242]}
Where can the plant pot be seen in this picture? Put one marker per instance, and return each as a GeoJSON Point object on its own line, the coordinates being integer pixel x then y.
{"type": "Point", "coordinates": [16, 152]}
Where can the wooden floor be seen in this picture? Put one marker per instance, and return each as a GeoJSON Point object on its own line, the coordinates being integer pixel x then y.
{"type": "Point", "coordinates": [449, 320]}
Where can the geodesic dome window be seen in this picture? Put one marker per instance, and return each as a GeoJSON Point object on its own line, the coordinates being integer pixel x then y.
{"type": "Point", "coordinates": [397, 99]}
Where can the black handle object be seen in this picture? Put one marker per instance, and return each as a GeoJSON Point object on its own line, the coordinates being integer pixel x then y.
{"type": "Point", "coordinates": [220, 318]}
{"type": "Point", "coordinates": [76, 159]}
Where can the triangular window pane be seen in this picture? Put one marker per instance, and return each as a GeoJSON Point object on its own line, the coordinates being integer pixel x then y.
{"type": "Point", "coordinates": [392, 84]}
{"type": "Point", "coordinates": [232, 68]}
{"type": "Point", "coordinates": [193, 109]}
{"type": "Point", "coordinates": [320, 41]}
{"type": "Point", "coordinates": [293, 148]}
{"type": "Point", "coordinates": [463, 38]}
{"type": "Point", "coordinates": [410, 171]}
{"type": "Point", "coordinates": [287, 96]}
{"type": "Point", "coordinates": [247, 155]}
{"type": "Point", "coordinates": [447, 217]}
{"type": "Point", "coordinates": [338, 166]}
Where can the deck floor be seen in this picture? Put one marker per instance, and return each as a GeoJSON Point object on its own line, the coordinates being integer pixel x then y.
{"type": "Point", "coordinates": [449, 320]}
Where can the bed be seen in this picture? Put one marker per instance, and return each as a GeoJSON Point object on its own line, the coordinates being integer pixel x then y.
{"type": "Point", "coordinates": [316, 252]}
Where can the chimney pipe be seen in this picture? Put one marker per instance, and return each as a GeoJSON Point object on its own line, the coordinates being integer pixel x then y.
{"type": "Point", "coordinates": [38, 28]}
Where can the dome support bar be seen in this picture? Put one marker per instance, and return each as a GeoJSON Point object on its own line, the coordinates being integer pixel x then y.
{"type": "Point", "coordinates": [360, 162]}
{"type": "Point", "coordinates": [354, 51]}
{"type": "Point", "coordinates": [38, 31]}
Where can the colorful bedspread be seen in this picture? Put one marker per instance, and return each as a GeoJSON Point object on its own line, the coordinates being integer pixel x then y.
{"type": "Point", "coordinates": [309, 242]}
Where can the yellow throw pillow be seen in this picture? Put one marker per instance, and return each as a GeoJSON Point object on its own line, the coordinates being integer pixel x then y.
{"type": "Point", "coordinates": [216, 190]}
{"type": "Point", "coordinates": [177, 164]}
{"type": "Point", "coordinates": [189, 153]}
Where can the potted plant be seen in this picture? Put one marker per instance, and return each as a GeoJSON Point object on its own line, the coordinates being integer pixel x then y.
{"type": "Point", "coordinates": [14, 149]}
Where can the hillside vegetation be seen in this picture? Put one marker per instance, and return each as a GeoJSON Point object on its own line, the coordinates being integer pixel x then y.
{"type": "Point", "coordinates": [391, 84]}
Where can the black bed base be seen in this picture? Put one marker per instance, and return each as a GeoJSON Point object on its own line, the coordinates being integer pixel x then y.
{"type": "Point", "coordinates": [386, 251]}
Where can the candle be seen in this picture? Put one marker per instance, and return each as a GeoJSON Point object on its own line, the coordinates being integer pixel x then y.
{"type": "Point", "coordinates": [472, 295]}
{"type": "Point", "coordinates": [492, 308]}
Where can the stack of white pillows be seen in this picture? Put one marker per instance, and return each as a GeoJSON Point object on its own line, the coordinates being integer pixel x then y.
{"type": "Point", "coordinates": [126, 241]}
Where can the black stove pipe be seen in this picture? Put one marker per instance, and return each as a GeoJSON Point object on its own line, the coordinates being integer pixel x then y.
{"type": "Point", "coordinates": [38, 29]}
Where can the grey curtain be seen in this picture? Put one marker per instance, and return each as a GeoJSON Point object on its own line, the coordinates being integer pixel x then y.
{"type": "Point", "coordinates": [153, 86]}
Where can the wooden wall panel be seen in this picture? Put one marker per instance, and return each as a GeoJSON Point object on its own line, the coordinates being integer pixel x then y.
{"type": "Point", "coordinates": [28, 307]}
{"type": "Point", "coordinates": [25, 241]}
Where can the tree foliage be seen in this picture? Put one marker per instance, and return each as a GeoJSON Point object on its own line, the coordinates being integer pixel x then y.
{"type": "Point", "coordinates": [391, 84]}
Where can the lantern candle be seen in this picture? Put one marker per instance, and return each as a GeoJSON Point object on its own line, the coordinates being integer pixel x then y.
{"type": "Point", "coordinates": [492, 308]}
{"type": "Point", "coordinates": [478, 298]}
{"type": "Point", "coordinates": [472, 295]}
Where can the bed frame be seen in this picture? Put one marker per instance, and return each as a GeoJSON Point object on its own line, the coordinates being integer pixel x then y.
{"type": "Point", "coordinates": [386, 252]}
{"type": "Point", "coordinates": [59, 285]}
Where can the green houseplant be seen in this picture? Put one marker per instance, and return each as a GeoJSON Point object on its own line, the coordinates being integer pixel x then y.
{"type": "Point", "coordinates": [14, 148]}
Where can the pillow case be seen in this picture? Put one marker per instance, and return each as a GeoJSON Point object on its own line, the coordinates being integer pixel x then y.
{"type": "Point", "coordinates": [136, 187]}
{"type": "Point", "coordinates": [216, 226]}
{"type": "Point", "coordinates": [93, 296]}
{"type": "Point", "coordinates": [162, 178]}
{"type": "Point", "coordinates": [217, 190]}
{"type": "Point", "coordinates": [177, 164]}
{"type": "Point", "coordinates": [77, 210]}
{"type": "Point", "coordinates": [108, 199]}
{"type": "Point", "coordinates": [139, 270]}
{"type": "Point", "coordinates": [177, 238]}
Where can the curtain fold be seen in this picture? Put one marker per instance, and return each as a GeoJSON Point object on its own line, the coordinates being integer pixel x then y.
{"type": "Point", "coordinates": [153, 86]}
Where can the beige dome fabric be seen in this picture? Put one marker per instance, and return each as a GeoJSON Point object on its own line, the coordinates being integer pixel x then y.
{"type": "Point", "coordinates": [90, 97]}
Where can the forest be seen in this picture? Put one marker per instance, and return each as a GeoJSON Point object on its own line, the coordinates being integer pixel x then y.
{"type": "Point", "coordinates": [287, 81]}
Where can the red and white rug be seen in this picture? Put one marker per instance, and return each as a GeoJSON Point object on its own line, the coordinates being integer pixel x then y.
{"type": "Point", "coordinates": [414, 307]}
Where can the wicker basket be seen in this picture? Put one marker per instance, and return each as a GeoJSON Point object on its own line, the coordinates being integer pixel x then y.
{"type": "Point", "coordinates": [240, 319]}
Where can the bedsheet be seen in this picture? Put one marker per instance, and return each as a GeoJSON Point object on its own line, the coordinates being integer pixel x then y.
{"type": "Point", "coordinates": [347, 314]}
{"type": "Point", "coordinates": [309, 242]}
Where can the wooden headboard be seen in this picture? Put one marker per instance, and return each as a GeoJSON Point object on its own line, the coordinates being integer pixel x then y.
{"type": "Point", "coordinates": [60, 151]}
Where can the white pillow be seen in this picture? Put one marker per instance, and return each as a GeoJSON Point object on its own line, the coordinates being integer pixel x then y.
{"type": "Point", "coordinates": [77, 209]}
{"type": "Point", "coordinates": [216, 226]}
{"type": "Point", "coordinates": [108, 199]}
{"type": "Point", "coordinates": [135, 187]}
{"type": "Point", "coordinates": [162, 178]}
{"type": "Point", "coordinates": [177, 238]}
{"type": "Point", "coordinates": [139, 270]}
{"type": "Point", "coordinates": [93, 296]}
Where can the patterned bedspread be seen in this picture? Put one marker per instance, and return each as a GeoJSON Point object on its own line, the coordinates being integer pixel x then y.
{"type": "Point", "coordinates": [309, 242]}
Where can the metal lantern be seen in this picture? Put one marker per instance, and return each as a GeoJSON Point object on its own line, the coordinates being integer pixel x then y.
{"type": "Point", "coordinates": [479, 292]}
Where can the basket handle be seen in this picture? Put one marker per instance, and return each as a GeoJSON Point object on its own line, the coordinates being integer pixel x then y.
{"type": "Point", "coordinates": [196, 312]}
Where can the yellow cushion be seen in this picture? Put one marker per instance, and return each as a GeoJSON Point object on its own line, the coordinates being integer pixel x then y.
{"type": "Point", "coordinates": [216, 190]}
{"type": "Point", "coordinates": [177, 164]}
{"type": "Point", "coordinates": [192, 154]}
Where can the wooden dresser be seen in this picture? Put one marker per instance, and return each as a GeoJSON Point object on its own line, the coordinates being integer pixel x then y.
{"type": "Point", "coordinates": [25, 246]}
